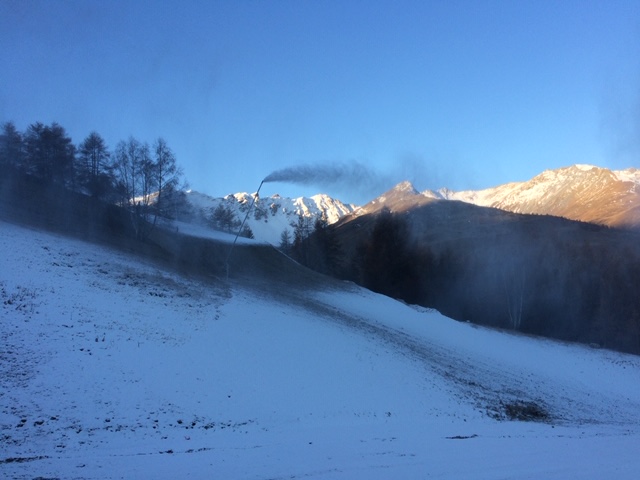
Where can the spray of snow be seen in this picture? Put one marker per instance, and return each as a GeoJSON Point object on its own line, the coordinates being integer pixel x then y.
{"type": "Point", "coordinates": [326, 174]}
{"type": "Point", "coordinates": [352, 177]}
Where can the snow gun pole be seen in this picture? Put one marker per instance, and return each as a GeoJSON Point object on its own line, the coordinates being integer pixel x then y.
{"type": "Point", "coordinates": [241, 227]}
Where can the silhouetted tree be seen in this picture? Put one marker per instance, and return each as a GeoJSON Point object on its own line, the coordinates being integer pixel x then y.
{"type": "Point", "coordinates": [11, 147]}
{"type": "Point", "coordinates": [325, 251]}
{"type": "Point", "coordinates": [167, 179]}
{"type": "Point", "coordinates": [389, 265]}
{"type": "Point", "coordinates": [616, 320]}
{"type": "Point", "coordinates": [135, 177]}
{"type": "Point", "coordinates": [131, 163]}
{"type": "Point", "coordinates": [49, 153]}
{"type": "Point", "coordinates": [148, 176]}
{"type": "Point", "coordinates": [285, 242]}
{"type": "Point", "coordinates": [93, 169]}
{"type": "Point", "coordinates": [223, 218]}
{"type": "Point", "coordinates": [246, 232]}
{"type": "Point", "coordinates": [301, 230]}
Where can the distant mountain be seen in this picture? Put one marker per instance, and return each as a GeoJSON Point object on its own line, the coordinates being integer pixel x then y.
{"type": "Point", "coordinates": [579, 192]}
{"type": "Point", "coordinates": [270, 216]}
{"type": "Point", "coordinates": [400, 198]}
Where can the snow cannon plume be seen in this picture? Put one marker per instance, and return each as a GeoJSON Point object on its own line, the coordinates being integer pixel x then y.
{"type": "Point", "coordinates": [339, 174]}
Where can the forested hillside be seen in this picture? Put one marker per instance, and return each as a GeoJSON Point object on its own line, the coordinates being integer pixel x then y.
{"type": "Point", "coordinates": [140, 178]}
{"type": "Point", "coordinates": [530, 273]}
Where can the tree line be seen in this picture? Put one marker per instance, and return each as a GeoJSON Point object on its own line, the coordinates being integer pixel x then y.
{"type": "Point", "coordinates": [142, 178]}
{"type": "Point", "coordinates": [542, 275]}
{"type": "Point", "coordinates": [313, 244]}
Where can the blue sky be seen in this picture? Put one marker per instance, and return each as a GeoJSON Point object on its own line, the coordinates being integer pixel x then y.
{"type": "Point", "coordinates": [462, 94]}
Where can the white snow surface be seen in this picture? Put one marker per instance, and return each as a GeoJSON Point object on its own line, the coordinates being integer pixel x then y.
{"type": "Point", "coordinates": [203, 231]}
{"type": "Point", "coordinates": [629, 175]}
{"type": "Point", "coordinates": [114, 368]}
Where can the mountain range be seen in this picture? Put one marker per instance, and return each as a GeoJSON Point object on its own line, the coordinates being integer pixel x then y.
{"type": "Point", "coordinates": [580, 192]}
{"type": "Point", "coordinates": [584, 193]}
{"type": "Point", "coordinates": [269, 216]}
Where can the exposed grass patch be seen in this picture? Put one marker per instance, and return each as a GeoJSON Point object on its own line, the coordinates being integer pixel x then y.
{"type": "Point", "coordinates": [521, 410]}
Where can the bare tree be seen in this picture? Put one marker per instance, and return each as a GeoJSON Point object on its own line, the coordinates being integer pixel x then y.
{"type": "Point", "coordinates": [125, 164]}
{"type": "Point", "coordinates": [148, 178]}
{"type": "Point", "coordinates": [93, 170]}
{"type": "Point", "coordinates": [168, 176]}
{"type": "Point", "coordinates": [135, 173]}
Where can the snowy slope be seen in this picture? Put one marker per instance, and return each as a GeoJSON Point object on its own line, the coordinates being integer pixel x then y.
{"type": "Point", "coordinates": [270, 216]}
{"type": "Point", "coordinates": [114, 368]}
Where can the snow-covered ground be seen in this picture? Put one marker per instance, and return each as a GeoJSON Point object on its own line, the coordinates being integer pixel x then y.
{"type": "Point", "coordinates": [114, 368]}
{"type": "Point", "coordinates": [202, 231]}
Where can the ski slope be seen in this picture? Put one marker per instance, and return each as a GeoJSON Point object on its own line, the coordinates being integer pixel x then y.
{"type": "Point", "coordinates": [112, 367]}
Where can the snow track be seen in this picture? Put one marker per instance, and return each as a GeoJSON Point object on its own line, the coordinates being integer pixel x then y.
{"type": "Point", "coordinates": [492, 381]}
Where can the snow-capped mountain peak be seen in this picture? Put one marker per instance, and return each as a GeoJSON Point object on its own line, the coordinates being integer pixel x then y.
{"type": "Point", "coordinates": [405, 188]}
{"type": "Point", "coordinates": [401, 197]}
{"type": "Point", "coordinates": [578, 192]}
{"type": "Point", "coordinates": [269, 216]}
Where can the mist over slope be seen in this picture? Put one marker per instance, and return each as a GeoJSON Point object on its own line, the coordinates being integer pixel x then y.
{"type": "Point", "coordinates": [539, 274]}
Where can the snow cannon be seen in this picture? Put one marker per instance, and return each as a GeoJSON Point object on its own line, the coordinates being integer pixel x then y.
{"type": "Point", "coordinates": [257, 195]}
